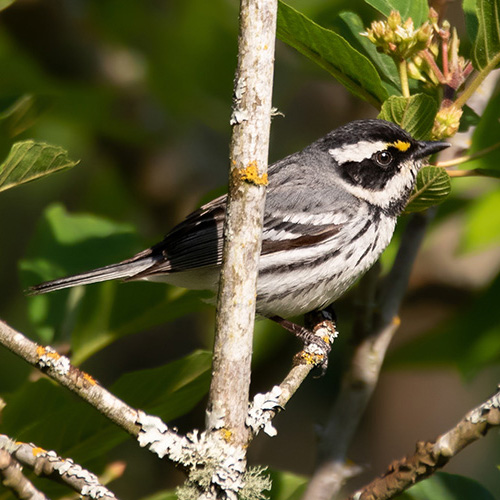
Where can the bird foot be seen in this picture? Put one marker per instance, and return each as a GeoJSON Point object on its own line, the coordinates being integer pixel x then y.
{"type": "Point", "coordinates": [318, 337]}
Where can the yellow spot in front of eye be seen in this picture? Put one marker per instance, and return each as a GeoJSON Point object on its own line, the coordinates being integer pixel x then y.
{"type": "Point", "coordinates": [401, 145]}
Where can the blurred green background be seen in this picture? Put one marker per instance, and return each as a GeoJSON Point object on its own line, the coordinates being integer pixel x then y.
{"type": "Point", "coordinates": [140, 93]}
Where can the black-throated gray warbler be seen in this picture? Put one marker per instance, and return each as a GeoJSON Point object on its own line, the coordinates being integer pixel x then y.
{"type": "Point", "coordinates": [330, 211]}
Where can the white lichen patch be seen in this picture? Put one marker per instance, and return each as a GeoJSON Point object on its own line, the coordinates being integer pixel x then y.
{"type": "Point", "coordinates": [262, 410]}
{"type": "Point", "coordinates": [214, 464]}
{"type": "Point", "coordinates": [479, 414]}
{"type": "Point", "coordinates": [49, 358]}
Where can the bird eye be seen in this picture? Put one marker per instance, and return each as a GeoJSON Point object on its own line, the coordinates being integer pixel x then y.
{"type": "Point", "coordinates": [383, 158]}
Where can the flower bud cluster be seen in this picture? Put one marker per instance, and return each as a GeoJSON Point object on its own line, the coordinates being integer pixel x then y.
{"type": "Point", "coordinates": [446, 122]}
{"type": "Point", "coordinates": [397, 39]}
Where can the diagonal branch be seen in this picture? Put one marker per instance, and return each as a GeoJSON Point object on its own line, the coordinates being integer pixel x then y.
{"type": "Point", "coordinates": [433, 455]}
{"type": "Point", "coordinates": [62, 371]}
{"type": "Point", "coordinates": [12, 477]}
{"type": "Point", "coordinates": [207, 459]}
{"type": "Point", "coordinates": [265, 407]}
{"type": "Point", "coordinates": [360, 379]}
{"type": "Point", "coordinates": [49, 464]}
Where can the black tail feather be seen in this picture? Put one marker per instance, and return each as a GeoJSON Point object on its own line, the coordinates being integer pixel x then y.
{"type": "Point", "coordinates": [126, 269]}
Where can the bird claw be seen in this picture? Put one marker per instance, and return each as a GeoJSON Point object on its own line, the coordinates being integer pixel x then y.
{"type": "Point", "coordinates": [316, 353]}
{"type": "Point", "coordinates": [319, 338]}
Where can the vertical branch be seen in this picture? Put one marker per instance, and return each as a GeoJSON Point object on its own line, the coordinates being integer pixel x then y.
{"type": "Point", "coordinates": [361, 377]}
{"type": "Point", "coordinates": [251, 117]}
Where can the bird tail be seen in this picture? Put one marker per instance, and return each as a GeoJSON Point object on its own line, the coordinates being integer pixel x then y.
{"type": "Point", "coordinates": [122, 270]}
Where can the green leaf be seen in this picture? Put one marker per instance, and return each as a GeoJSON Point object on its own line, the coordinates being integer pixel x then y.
{"type": "Point", "coordinates": [5, 3]}
{"type": "Point", "coordinates": [167, 391]}
{"type": "Point", "coordinates": [418, 10]}
{"type": "Point", "coordinates": [469, 119]}
{"type": "Point", "coordinates": [486, 134]}
{"type": "Point", "coordinates": [44, 413]}
{"type": "Point", "coordinates": [486, 49]}
{"type": "Point", "coordinates": [66, 244]}
{"type": "Point", "coordinates": [443, 486]}
{"type": "Point", "coordinates": [333, 53]}
{"type": "Point", "coordinates": [482, 223]}
{"type": "Point", "coordinates": [70, 243]}
{"type": "Point", "coordinates": [350, 25]}
{"type": "Point", "coordinates": [30, 160]}
{"type": "Point", "coordinates": [51, 417]}
{"type": "Point", "coordinates": [415, 114]}
{"type": "Point", "coordinates": [121, 309]}
{"type": "Point", "coordinates": [471, 23]}
{"type": "Point", "coordinates": [432, 187]}
{"type": "Point", "coordinates": [287, 486]}
{"type": "Point", "coordinates": [93, 317]}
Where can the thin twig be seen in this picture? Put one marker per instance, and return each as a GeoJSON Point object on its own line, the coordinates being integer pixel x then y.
{"type": "Point", "coordinates": [433, 455]}
{"type": "Point", "coordinates": [266, 406]}
{"type": "Point", "coordinates": [403, 77]}
{"type": "Point", "coordinates": [477, 172]}
{"type": "Point", "coordinates": [429, 58]}
{"type": "Point", "coordinates": [60, 369]}
{"type": "Point", "coordinates": [13, 478]}
{"type": "Point", "coordinates": [478, 80]}
{"type": "Point", "coordinates": [49, 464]}
{"type": "Point", "coordinates": [222, 463]}
{"type": "Point", "coordinates": [463, 159]}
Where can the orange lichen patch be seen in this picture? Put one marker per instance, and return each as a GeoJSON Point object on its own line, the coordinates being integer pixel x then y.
{"type": "Point", "coordinates": [226, 435]}
{"type": "Point", "coordinates": [91, 380]}
{"type": "Point", "coordinates": [37, 450]}
{"type": "Point", "coordinates": [401, 145]}
{"type": "Point", "coordinates": [251, 174]}
{"type": "Point", "coordinates": [42, 351]}
{"type": "Point", "coordinates": [308, 358]}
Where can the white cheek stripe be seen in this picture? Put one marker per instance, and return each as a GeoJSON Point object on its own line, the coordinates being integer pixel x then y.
{"type": "Point", "coordinates": [393, 189]}
{"type": "Point", "coordinates": [357, 152]}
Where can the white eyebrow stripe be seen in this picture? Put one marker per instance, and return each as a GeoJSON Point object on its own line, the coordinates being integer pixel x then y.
{"type": "Point", "coordinates": [357, 152]}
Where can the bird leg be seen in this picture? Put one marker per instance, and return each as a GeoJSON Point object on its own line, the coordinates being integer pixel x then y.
{"type": "Point", "coordinates": [318, 337]}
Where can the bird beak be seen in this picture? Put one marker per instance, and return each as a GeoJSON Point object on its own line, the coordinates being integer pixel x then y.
{"type": "Point", "coordinates": [427, 148]}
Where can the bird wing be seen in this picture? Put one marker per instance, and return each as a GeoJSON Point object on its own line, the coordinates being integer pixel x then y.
{"type": "Point", "coordinates": [298, 215]}
{"type": "Point", "coordinates": [293, 218]}
{"type": "Point", "coordinates": [295, 235]}
{"type": "Point", "coordinates": [195, 242]}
